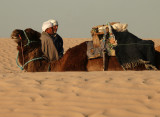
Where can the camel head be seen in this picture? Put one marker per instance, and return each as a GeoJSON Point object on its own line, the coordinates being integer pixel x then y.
{"type": "Point", "coordinates": [27, 37]}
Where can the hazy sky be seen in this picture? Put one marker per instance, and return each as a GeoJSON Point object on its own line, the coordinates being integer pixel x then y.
{"type": "Point", "coordinates": [77, 17]}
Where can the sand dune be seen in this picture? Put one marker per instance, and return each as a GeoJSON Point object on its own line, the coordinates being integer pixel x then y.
{"type": "Point", "coordinates": [75, 94]}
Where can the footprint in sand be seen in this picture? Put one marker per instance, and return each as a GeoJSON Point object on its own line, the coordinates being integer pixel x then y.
{"type": "Point", "coordinates": [85, 80]}
{"type": "Point", "coordinates": [130, 79]}
{"type": "Point", "coordinates": [59, 90]}
{"type": "Point", "coordinates": [77, 94]}
{"type": "Point", "coordinates": [158, 92]}
{"type": "Point", "coordinates": [39, 81]}
{"type": "Point", "coordinates": [108, 80]}
{"type": "Point", "coordinates": [149, 97]}
{"type": "Point", "coordinates": [157, 116]}
{"type": "Point", "coordinates": [11, 109]}
{"type": "Point", "coordinates": [145, 81]}
{"type": "Point", "coordinates": [60, 79]}
{"type": "Point", "coordinates": [32, 99]}
{"type": "Point", "coordinates": [42, 95]}
{"type": "Point", "coordinates": [85, 115]}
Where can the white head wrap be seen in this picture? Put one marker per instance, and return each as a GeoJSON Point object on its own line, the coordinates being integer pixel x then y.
{"type": "Point", "coordinates": [54, 22]}
{"type": "Point", "coordinates": [46, 25]}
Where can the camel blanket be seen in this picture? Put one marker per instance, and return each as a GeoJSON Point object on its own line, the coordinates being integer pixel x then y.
{"type": "Point", "coordinates": [132, 51]}
{"type": "Point", "coordinates": [94, 52]}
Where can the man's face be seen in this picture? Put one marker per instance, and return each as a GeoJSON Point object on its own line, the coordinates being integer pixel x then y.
{"type": "Point", "coordinates": [52, 30]}
{"type": "Point", "coordinates": [55, 28]}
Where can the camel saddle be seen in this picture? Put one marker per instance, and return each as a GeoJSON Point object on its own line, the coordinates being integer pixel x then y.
{"type": "Point", "coordinates": [96, 52]}
{"type": "Point", "coordinates": [101, 41]}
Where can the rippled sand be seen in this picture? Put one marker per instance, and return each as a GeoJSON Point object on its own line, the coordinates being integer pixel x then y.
{"type": "Point", "coordinates": [75, 94]}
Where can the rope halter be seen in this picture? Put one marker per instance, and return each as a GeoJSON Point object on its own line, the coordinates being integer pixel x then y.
{"type": "Point", "coordinates": [24, 64]}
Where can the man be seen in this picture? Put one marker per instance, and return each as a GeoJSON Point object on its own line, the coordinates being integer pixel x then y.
{"type": "Point", "coordinates": [52, 43]}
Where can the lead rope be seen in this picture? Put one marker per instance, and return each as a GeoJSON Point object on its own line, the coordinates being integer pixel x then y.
{"type": "Point", "coordinates": [22, 67]}
{"type": "Point", "coordinates": [22, 49]}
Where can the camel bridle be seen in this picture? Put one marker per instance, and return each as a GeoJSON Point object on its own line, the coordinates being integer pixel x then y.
{"type": "Point", "coordinates": [28, 43]}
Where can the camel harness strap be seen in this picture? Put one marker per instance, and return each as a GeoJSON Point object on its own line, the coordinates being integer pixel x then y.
{"type": "Point", "coordinates": [22, 67]}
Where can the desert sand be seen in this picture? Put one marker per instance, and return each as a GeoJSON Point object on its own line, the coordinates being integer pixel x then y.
{"type": "Point", "coordinates": [75, 94]}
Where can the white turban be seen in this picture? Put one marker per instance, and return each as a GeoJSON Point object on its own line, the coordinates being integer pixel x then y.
{"type": "Point", "coordinates": [46, 25]}
{"type": "Point", "coordinates": [54, 22]}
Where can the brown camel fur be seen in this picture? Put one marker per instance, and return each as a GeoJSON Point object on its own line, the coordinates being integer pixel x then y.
{"type": "Point", "coordinates": [75, 59]}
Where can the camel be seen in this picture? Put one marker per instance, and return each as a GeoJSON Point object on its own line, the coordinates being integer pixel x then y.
{"type": "Point", "coordinates": [75, 58]}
